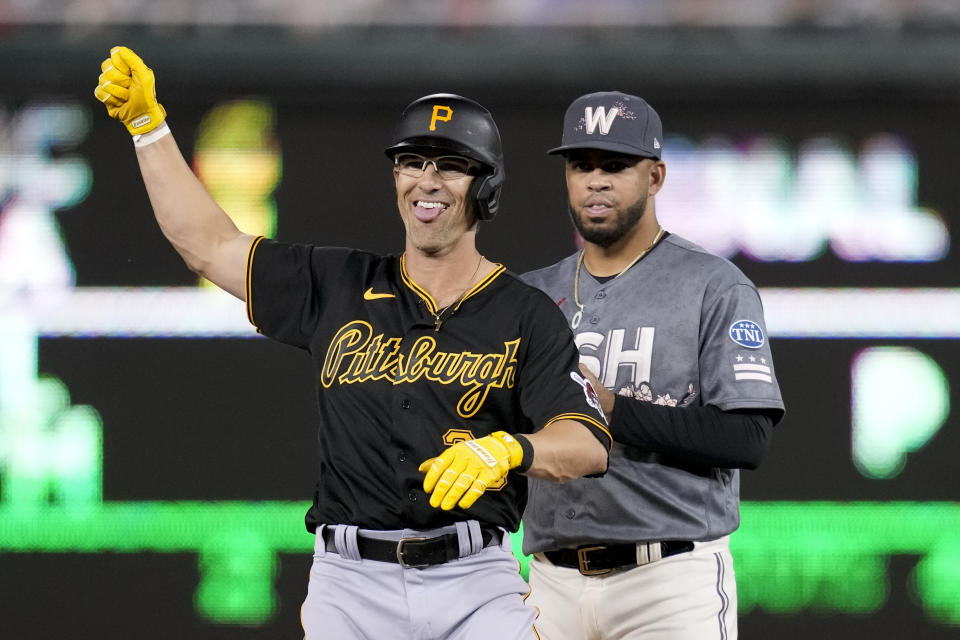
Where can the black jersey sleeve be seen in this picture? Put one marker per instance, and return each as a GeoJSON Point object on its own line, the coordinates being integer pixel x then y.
{"type": "Point", "coordinates": [551, 387]}
{"type": "Point", "coordinates": [288, 285]}
{"type": "Point", "coordinates": [737, 439]}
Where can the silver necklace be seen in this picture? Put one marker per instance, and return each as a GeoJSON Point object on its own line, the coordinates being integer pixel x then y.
{"type": "Point", "coordinates": [438, 316]}
{"type": "Point", "coordinates": [578, 316]}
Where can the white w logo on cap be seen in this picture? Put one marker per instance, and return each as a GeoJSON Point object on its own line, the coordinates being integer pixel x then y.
{"type": "Point", "coordinates": [600, 117]}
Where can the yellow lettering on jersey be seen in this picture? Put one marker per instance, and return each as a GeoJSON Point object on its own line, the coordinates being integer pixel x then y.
{"type": "Point", "coordinates": [490, 371]}
{"type": "Point", "coordinates": [447, 114]}
{"type": "Point", "coordinates": [387, 358]}
{"type": "Point", "coordinates": [358, 365]}
{"type": "Point", "coordinates": [355, 355]}
{"type": "Point", "coordinates": [348, 340]}
{"type": "Point", "coordinates": [421, 356]}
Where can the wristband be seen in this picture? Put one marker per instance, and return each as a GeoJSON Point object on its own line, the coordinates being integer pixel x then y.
{"type": "Point", "coordinates": [527, 461]}
{"type": "Point", "coordinates": [144, 139]}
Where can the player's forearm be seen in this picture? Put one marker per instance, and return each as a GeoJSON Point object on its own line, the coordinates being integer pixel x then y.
{"type": "Point", "coordinates": [700, 434]}
{"type": "Point", "coordinates": [565, 450]}
{"type": "Point", "coordinates": [196, 226]}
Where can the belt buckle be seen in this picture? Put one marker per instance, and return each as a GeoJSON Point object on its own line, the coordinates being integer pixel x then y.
{"type": "Point", "coordinates": [403, 563]}
{"type": "Point", "coordinates": [584, 563]}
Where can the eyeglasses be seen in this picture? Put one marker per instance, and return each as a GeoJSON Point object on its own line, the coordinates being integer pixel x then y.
{"type": "Point", "coordinates": [447, 167]}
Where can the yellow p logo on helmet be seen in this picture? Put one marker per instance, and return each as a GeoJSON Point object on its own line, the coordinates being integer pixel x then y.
{"type": "Point", "coordinates": [437, 110]}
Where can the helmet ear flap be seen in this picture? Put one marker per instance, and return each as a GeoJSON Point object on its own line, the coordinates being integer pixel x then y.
{"type": "Point", "coordinates": [485, 191]}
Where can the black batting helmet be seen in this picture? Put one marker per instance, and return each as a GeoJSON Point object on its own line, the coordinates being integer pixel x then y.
{"type": "Point", "coordinates": [448, 122]}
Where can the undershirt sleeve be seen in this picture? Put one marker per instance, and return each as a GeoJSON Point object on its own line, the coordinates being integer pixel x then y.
{"type": "Point", "coordinates": [736, 439]}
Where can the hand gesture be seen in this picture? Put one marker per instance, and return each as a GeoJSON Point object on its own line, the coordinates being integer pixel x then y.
{"type": "Point", "coordinates": [128, 90]}
{"type": "Point", "coordinates": [461, 474]}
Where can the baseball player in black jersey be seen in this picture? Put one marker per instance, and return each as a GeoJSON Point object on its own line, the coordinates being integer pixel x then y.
{"type": "Point", "coordinates": [674, 340]}
{"type": "Point", "coordinates": [443, 381]}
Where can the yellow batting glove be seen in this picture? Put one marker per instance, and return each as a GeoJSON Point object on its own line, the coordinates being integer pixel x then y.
{"type": "Point", "coordinates": [461, 474]}
{"type": "Point", "coordinates": [128, 90]}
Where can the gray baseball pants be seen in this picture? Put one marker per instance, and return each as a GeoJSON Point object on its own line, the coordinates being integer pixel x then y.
{"type": "Point", "coordinates": [478, 596]}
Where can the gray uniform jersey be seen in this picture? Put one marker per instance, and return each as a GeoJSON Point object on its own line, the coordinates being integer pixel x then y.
{"type": "Point", "coordinates": [681, 327]}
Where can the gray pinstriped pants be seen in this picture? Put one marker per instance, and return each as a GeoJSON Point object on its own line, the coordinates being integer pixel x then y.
{"type": "Point", "coordinates": [689, 596]}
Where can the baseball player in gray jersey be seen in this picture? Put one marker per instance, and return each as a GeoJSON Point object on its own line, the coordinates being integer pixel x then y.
{"type": "Point", "coordinates": [674, 341]}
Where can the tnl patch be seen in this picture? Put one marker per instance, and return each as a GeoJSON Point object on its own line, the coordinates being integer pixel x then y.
{"type": "Point", "coordinates": [747, 333]}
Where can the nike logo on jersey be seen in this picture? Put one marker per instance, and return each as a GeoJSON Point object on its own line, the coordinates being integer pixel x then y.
{"type": "Point", "coordinates": [370, 295]}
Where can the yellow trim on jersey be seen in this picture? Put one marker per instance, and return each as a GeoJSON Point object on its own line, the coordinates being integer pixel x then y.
{"type": "Point", "coordinates": [579, 417]}
{"type": "Point", "coordinates": [248, 281]}
{"type": "Point", "coordinates": [482, 284]}
{"type": "Point", "coordinates": [420, 291]}
{"type": "Point", "coordinates": [431, 303]}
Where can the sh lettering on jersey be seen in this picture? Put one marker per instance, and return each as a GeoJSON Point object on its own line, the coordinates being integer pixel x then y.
{"type": "Point", "coordinates": [611, 359]}
{"type": "Point", "coordinates": [625, 367]}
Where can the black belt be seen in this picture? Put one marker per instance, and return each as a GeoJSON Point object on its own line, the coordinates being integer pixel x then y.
{"type": "Point", "coordinates": [415, 552]}
{"type": "Point", "coordinates": [600, 559]}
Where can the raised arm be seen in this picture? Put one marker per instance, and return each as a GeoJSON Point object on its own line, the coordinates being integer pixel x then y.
{"type": "Point", "coordinates": [200, 231]}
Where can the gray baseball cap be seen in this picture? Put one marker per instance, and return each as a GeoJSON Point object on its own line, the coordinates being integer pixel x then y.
{"type": "Point", "coordinates": [612, 121]}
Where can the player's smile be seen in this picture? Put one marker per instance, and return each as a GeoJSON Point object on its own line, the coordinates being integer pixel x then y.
{"type": "Point", "coordinates": [431, 207]}
{"type": "Point", "coordinates": [428, 210]}
{"type": "Point", "coordinates": [434, 210]}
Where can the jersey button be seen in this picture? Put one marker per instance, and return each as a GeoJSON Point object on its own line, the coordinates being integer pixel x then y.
{"type": "Point", "coordinates": [569, 513]}
{"type": "Point", "coordinates": [405, 404]}
{"type": "Point", "coordinates": [601, 294]}
{"type": "Point", "coordinates": [403, 456]}
{"type": "Point", "coordinates": [594, 319]}
{"type": "Point", "coordinates": [412, 496]}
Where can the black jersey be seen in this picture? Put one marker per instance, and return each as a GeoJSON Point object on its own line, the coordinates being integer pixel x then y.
{"type": "Point", "coordinates": [394, 391]}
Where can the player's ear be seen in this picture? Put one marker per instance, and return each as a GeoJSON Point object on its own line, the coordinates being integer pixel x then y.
{"type": "Point", "coordinates": [658, 173]}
